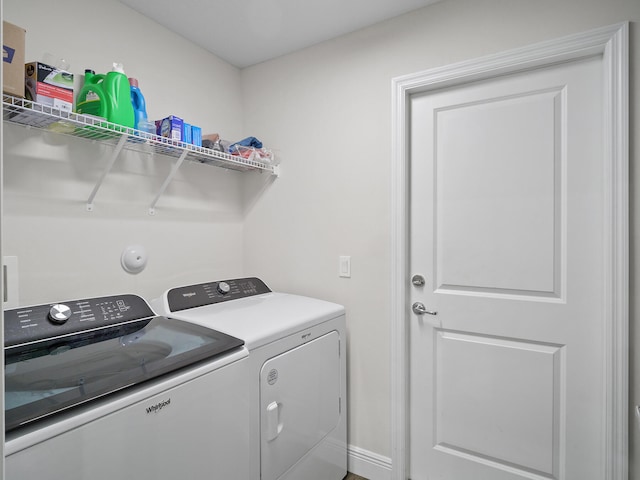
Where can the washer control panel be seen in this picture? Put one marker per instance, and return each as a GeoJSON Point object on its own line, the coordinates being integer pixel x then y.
{"type": "Point", "coordinates": [191, 296]}
{"type": "Point", "coordinates": [39, 322]}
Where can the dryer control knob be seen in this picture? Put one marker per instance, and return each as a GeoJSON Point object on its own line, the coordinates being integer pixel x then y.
{"type": "Point", "coordinates": [59, 313]}
{"type": "Point", "coordinates": [223, 288]}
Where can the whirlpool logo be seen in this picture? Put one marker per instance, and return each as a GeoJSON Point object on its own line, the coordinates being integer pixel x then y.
{"type": "Point", "coordinates": [158, 406]}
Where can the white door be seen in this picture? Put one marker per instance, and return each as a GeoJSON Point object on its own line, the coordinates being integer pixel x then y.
{"type": "Point", "coordinates": [507, 228]}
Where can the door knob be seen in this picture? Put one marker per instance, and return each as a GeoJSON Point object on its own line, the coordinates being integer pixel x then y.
{"type": "Point", "coordinates": [419, 309]}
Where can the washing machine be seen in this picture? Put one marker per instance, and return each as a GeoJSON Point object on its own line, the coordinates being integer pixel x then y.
{"type": "Point", "coordinates": [296, 377]}
{"type": "Point", "coordinates": [102, 388]}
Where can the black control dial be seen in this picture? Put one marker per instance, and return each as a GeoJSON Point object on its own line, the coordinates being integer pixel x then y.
{"type": "Point", "coordinates": [59, 313]}
{"type": "Point", "coordinates": [223, 288]}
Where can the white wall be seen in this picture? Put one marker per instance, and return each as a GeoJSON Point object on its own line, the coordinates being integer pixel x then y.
{"type": "Point", "coordinates": [328, 108]}
{"type": "Point", "coordinates": [196, 234]}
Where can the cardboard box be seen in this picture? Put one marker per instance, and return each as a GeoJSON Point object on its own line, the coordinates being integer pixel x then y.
{"type": "Point", "coordinates": [212, 137]}
{"type": "Point", "coordinates": [13, 59]}
{"type": "Point", "coordinates": [170, 127]}
{"type": "Point", "coordinates": [48, 85]}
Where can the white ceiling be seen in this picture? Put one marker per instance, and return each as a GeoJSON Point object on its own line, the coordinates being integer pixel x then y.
{"type": "Point", "coordinates": [246, 32]}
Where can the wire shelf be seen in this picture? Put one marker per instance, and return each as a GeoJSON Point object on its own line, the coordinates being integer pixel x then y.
{"type": "Point", "coordinates": [32, 114]}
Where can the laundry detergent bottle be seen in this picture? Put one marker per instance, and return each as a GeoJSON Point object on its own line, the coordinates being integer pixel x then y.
{"type": "Point", "coordinates": [139, 105]}
{"type": "Point", "coordinates": [118, 94]}
{"type": "Point", "coordinates": [91, 99]}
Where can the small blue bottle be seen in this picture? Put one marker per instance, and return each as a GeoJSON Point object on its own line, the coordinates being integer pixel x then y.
{"type": "Point", "coordinates": [139, 105]}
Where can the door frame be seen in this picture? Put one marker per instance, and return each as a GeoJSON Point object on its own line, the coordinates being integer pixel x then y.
{"type": "Point", "coordinates": [612, 43]}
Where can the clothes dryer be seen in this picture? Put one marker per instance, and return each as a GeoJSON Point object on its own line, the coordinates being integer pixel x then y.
{"type": "Point", "coordinates": [296, 377]}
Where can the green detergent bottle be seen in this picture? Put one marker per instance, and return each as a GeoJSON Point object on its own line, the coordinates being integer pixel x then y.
{"type": "Point", "coordinates": [118, 94]}
{"type": "Point", "coordinates": [107, 96]}
{"type": "Point", "coordinates": [92, 100]}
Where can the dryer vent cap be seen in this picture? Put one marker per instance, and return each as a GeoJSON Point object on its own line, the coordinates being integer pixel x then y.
{"type": "Point", "coordinates": [134, 259]}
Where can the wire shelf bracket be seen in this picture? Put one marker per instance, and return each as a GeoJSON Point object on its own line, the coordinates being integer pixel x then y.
{"type": "Point", "coordinates": [163, 187]}
{"type": "Point", "coordinates": [114, 156]}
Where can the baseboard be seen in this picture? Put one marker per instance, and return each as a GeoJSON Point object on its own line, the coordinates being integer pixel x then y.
{"type": "Point", "coordinates": [368, 464]}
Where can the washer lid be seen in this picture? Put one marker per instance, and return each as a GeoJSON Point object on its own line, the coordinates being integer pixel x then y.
{"type": "Point", "coordinates": [51, 375]}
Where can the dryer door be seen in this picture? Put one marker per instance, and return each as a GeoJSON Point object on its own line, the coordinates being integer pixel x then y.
{"type": "Point", "coordinates": [299, 401]}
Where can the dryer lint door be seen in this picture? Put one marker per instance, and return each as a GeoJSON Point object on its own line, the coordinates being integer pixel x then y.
{"type": "Point", "coordinates": [299, 401]}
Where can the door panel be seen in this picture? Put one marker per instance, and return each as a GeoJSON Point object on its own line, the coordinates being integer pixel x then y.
{"type": "Point", "coordinates": [497, 161]}
{"type": "Point", "coordinates": [507, 226]}
{"type": "Point", "coordinates": [473, 367]}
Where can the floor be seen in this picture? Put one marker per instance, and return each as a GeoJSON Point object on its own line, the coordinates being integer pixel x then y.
{"type": "Point", "coordinates": [353, 476]}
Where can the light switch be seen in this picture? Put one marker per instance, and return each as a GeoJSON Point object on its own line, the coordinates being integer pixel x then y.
{"type": "Point", "coordinates": [344, 267]}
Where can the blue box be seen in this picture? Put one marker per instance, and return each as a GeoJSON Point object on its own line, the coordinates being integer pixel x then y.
{"type": "Point", "coordinates": [170, 127]}
{"type": "Point", "coordinates": [186, 133]}
{"type": "Point", "coordinates": [196, 136]}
